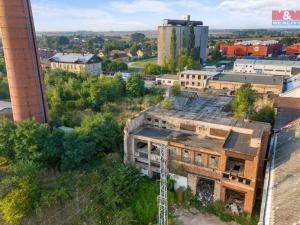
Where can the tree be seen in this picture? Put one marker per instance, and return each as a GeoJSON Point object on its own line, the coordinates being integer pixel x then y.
{"type": "Point", "coordinates": [134, 47]}
{"type": "Point", "coordinates": [190, 63]}
{"type": "Point", "coordinates": [135, 86]}
{"type": "Point", "coordinates": [62, 40]}
{"type": "Point", "coordinates": [183, 59]}
{"type": "Point", "coordinates": [2, 66]}
{"type": "Point", "coordinates": [137, 37]}
{"type": "Point", "coordinates": [216, 54]}
{"type": "Point", "coordinates": [243, 101]}
{"type": "Point", "coordinates": [7, 135]}
{"type": "Point", "coordinates": [191, 48]}
{"type": "Point", "coordinates": [77, 150]}
{"type": "Point", "coordinates": [29, 137]}
{"type": "Point", "coordinates": [153, 69]}
{"type": "Point", "coordinates": [4, 90]}
{"type": "Point", "coordinates": [176, 88]}
{"type": "Point", "coordinates": [173, 47]}
{"type": "Point", "coordinates": [167, 104]}
{"type": "Point", "coordinates": [96, 127]}
{"type": "Point", "coordinates": [265, 114]}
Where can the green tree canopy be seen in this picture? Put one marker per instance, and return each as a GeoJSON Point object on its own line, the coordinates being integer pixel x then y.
{"type": "Point", "coordinates": [265, 114]}
{"type": "Point", "coordinates": [135, 86]}
{"type": "Point", "coordinates": [243, 101]}
{"type": "Point", "coordinates": [176, 88]}
{"type": "Point", "coordinates": [173, 49]}
{"type": "Point", "coordinates": [137, 37]}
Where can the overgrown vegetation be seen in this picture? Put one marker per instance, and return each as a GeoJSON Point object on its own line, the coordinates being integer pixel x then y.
{"type": "Point", "coordinates": [167, 104]}
{"type": "Point", "coordinates": [73, 96]}
{"type": "Point", "coordinates": [219, 209]}
{"type": "Point", "coordinates": [265, 114]}
{"type": "Point", "coordinates": [243, 105]}
{"type": "Point", "coordinates": [243, 102]}
{"type": "Point", "coordinates": [4, 91]}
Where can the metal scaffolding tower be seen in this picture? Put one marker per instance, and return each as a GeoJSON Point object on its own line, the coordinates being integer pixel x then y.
{"type": "Point", "coordinates": [163, 197]}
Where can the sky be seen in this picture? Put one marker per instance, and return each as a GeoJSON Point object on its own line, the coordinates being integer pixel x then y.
{"type": "Point", "coordinates": [134, 15]}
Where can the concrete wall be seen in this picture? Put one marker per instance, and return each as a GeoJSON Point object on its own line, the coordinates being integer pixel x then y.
{"type": "Point", "coordinates": [182, 32]}
{"type": "Point", "coordinates": [232, 86]}
{"type": "Point", "coordinates": [131, 125]}
{"type": "Point", "coordinates": [94, 68]}
{"type": "Point", "coordinates": [282, 70]}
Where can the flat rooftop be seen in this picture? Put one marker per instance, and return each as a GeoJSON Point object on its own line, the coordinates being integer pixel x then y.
{"type": "Point", "coordinates": [236, 142]}
{"type": "Point", "coordinates": [5, 105]}
{"type": "Point", "coordinates": [168, 77]}
{"type": "Point", "coordinates": [269, 62]}
{"type": "Point", "coordinates": [206, 108]}
{"type": "Point", "coordinates": [200, 72]}
{"type": "Point", "coordinates": [285, 195]}
{"type": "Point", "coordinates": [250, 78]}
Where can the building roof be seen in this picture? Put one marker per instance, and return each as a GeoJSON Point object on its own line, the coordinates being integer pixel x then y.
{"type": "Point", "coordinates": [250, 78]}
{"type": "Point", "coordinates": [269, 62]}
{"type": "Point", "coordinates": [239, 142]}
{"type": "Point", "coordinates": [285, 102]}
{"type": "Point", "coordinates": [73, 58]}
{"type": "Point", "coordinates": [200, 72]}
{"type": "Point", "coordinates": [5, 105]}
{"type": "Point", "coordinates": [285, 192]}
{"type": "Point", "coordinates": [257, 42]}
{"type": "Point", "coordinates": [206, 108]}
{"type": "Point", "coordinates": [236, 142]}
{"type": "Point", "coordinates": [168, 77]}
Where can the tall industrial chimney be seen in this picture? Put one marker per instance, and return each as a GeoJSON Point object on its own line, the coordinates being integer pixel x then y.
{"type": "Point", "coordinates": [25, 79]}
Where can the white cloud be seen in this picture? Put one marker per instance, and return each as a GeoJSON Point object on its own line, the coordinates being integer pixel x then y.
{"type": "Point", "coordinates": [135, 6]}
{"type": "Point", "coordinates": [126, 14]}
{"type": "Point", "coordinates": [62, 18]}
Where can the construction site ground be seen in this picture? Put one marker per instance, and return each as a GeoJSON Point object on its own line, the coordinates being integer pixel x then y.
{"type": "Point", "coordinates": [195, 217]}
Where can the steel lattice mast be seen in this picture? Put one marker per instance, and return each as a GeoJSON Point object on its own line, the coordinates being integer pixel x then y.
{"type": "Point", "coordinates": [163, 197]}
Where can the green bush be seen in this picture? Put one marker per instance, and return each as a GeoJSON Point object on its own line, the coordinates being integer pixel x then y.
{"type": "Point", "coordinates": [265, 114]}
{"type": "Point", "coordinates": [180, 195]}
{"type": "Point", "coordinates": [167, 104]}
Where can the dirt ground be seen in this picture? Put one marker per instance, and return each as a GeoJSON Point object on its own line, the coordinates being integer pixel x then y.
{"type": "Point", "coordinates": [194, 217]}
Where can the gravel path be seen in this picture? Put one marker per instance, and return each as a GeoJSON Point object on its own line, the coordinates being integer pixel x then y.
{"type": "Point", "coordinates": [194, 217]}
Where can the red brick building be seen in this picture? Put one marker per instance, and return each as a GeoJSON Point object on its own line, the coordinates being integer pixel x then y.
{"type": "Point", "coordinates": [293, 49]}
{"type": "Point", "coordinates": [255, 48]}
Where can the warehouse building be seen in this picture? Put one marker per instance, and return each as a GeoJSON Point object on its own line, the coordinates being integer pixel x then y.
{"type": "Point", "coordinates": [272, 67]}
{"type": "Point", "coordinates": [262, 84]}
{"type": "Point", "coordinates": [216, 155]}
{"type": "Point", "coordinates": [253, 47]}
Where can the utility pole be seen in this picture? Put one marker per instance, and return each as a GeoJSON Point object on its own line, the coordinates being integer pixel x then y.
{"type": "Point", "coordinates": [163, 196]}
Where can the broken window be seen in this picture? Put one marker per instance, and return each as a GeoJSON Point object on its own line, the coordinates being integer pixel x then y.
{"type": "Point", "coordinates": [235, 201]}
{"type": "Point", "coordinates": [205, 190]}
{"type": "Point", "coordinates": [186, 155]}
{"type": "Point", "coordinates": [213, 162]}
{"type": "Point", "coordinates": [154, 150]}
{"type": "Point", "coordinates": [188, 127]}
{"type": "Point", "coordinates": [199, 159]}
{"type": "Point", "coordinates": [235, 166]}
{"type": "Point", "coordinates": [174, 153]}
{"type": "Point", "coordinates": [149, 119]}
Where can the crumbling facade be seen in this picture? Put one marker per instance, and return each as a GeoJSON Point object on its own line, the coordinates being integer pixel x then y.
{"type": "Point", "coordinates": [218, 157]}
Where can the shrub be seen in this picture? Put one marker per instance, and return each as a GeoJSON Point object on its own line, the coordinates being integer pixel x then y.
{"type": "Point", "coordinates": [167, 104]}
{"type": "Point", "coordinates": [265, 114]}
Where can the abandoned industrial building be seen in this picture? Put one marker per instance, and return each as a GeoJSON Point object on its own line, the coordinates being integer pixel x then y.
{"type": "Point", "coordinates": [217, 156]}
